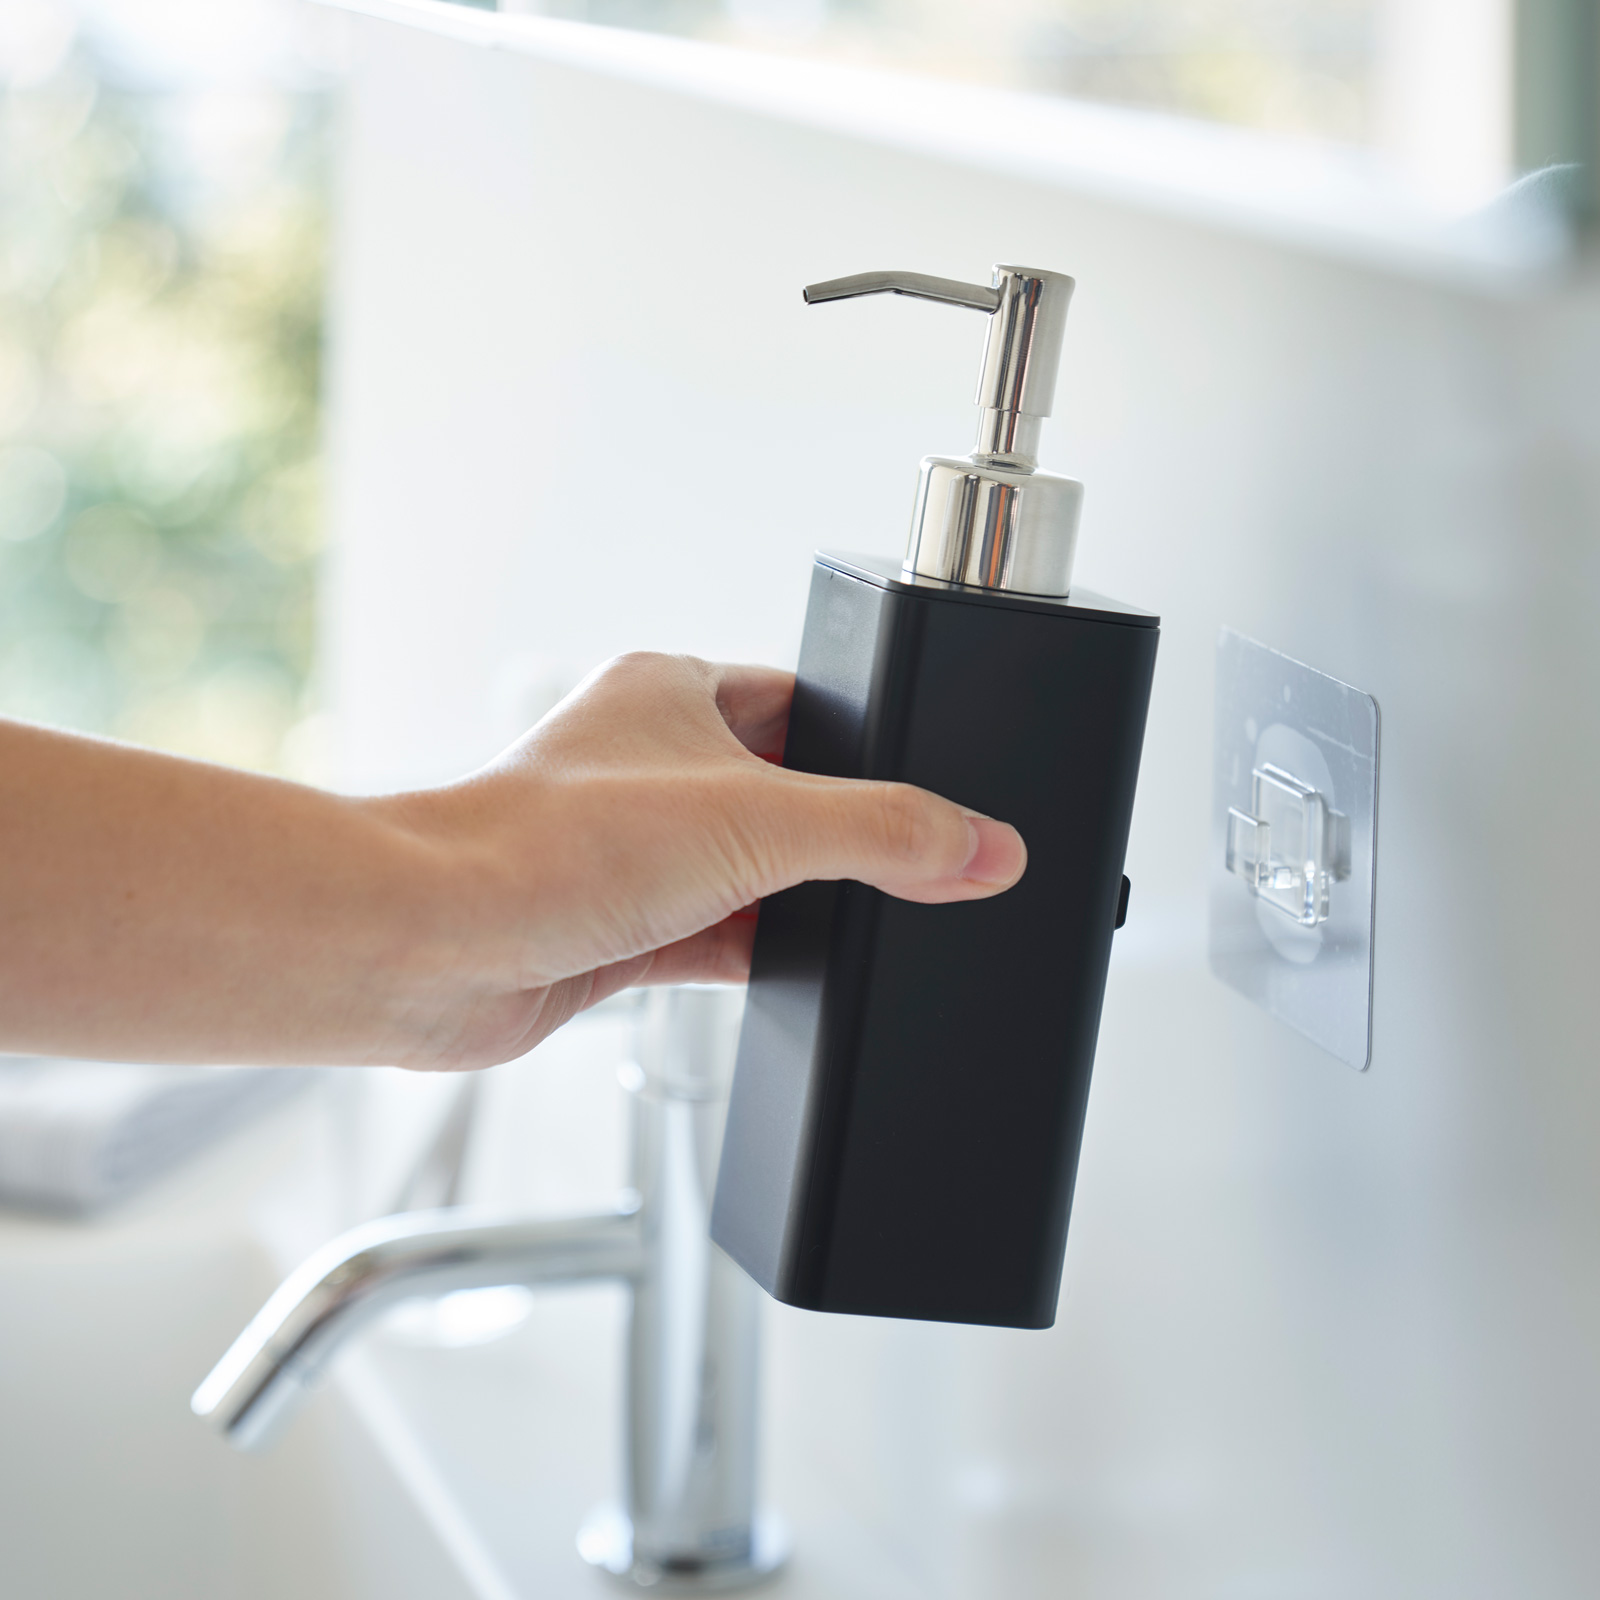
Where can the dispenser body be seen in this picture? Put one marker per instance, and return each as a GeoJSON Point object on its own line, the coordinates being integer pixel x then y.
{"type": "Point", "coordinates": [909, 1098]}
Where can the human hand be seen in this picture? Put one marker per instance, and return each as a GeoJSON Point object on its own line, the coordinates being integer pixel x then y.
{"type": "Point", "coordinates": [625, 838]}
{"type": "Point", "coordinates": [157, 909]}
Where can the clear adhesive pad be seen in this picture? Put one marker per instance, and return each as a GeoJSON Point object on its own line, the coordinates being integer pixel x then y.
{"type": "Point", "coordinates": [1294, 844]}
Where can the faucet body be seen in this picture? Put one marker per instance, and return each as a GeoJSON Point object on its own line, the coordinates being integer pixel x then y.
{"type": "Point", "coordinates": [688, 1519]}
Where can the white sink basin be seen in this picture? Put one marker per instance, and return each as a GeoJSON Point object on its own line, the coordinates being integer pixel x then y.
{"type": "Point", "coordinates": [419, 1470]}
{"type": "Point", "coordinates": [506, 1447]}
{"type": "Point", "coordinates": [108, 1486]}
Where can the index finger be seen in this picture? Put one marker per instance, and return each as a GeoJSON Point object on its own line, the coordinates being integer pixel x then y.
{"type": "Point", "coordinates": [754, 702]}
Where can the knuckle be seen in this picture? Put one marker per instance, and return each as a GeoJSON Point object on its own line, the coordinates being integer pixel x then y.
{"type": "Point", "coordinates": [752, 834]}
{"type": "Point", "coordinates": [634, 664]}
{"type": "Point", "coordinates": [909, 823]}
{"type": "Point", "coordinates": [637, 670]}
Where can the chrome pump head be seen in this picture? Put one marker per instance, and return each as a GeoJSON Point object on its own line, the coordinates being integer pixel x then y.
{"type": "Point", "coordinates": [991, 519]}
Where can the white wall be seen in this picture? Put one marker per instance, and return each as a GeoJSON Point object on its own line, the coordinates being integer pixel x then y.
{"type": "Point", "coordinates": [1322, 1334]}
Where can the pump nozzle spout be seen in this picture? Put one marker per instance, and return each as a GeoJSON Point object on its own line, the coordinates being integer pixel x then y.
{"type": "Point", "coordinates": [1017, 382]}
{"type": "Point", "coordinates": [991, 519]}
{"type": "Point", "coordinates": [947, 291]}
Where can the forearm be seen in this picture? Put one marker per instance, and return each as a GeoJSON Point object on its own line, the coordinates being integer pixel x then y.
{"type": "Point", "coordinates": [160, 909]}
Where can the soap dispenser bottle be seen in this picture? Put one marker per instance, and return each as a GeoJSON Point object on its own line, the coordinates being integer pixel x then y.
{"type": "Point", "coordinates": [909, 1097]}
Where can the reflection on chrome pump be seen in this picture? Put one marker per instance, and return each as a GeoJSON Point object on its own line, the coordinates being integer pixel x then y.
{"type": "Point", "coordinates": [688, 1521]}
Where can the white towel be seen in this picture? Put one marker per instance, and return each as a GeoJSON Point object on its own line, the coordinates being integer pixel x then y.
{"type": "Point", "coordinates": [75, 1135]}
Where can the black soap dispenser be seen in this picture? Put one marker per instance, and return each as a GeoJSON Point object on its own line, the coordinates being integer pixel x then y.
{"type": "Point", "coordinates": [907, 1107]}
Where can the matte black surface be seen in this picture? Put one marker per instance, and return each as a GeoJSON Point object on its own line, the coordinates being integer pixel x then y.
{"type": "Point", "coordinates": [903, 1132]}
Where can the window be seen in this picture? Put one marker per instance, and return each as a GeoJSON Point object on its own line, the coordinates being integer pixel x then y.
{"type": "Point", "coordinates": [1297, 66]}
{"type": "Point", "coordinates": [1454, 97]}
{"type": "Point", "coordinates": [160, 295]}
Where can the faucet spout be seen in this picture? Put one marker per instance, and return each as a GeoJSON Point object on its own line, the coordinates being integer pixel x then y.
{"type": "Point", "coordinates": [253, 1389]}
{"type": "Point", "coordinates": [688, 1521]}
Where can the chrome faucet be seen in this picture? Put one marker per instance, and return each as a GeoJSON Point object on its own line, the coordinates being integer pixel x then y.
{"type": "Point", "coordinates": [688, 1520]}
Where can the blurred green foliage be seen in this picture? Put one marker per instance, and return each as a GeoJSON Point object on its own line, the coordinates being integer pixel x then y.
{"type": "Point", "coordinates": [160, 305]}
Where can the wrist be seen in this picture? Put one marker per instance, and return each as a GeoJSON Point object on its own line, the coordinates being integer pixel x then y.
{"type": "Point", "coordinates": [449, 963]}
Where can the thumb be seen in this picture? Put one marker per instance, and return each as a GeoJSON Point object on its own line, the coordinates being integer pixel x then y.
{"type": "Point", "coordinates": [898, 838]}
